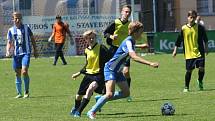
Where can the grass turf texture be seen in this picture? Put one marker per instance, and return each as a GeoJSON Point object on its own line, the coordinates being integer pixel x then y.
{"type": "Point", "coordinates": [52, 92]}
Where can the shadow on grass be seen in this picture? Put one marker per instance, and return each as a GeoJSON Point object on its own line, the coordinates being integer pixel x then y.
{"type": "Point", "coordinates": [49, 96]}
{"type": "Point", "coordinates": [208, 90]}
{"type": "Point", "coordinates": [125, 115]}
{"type": "Point", "coordinates": [134, 100]}
{"type": "Point", "coordinates": [136, 114]}
{"type": "Point", "coordinates": [152, 100]}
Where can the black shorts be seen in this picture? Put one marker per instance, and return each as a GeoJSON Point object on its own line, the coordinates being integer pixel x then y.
{"type": "Point", "coordinates": [88, 79]}
{"type": "Point", "coordinates": [195, 63]}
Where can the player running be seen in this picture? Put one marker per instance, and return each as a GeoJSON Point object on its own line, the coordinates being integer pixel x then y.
{"type": "Point", "coordinates": [96, 56]}
{"type": "Point", "coordinates": [112, 70]}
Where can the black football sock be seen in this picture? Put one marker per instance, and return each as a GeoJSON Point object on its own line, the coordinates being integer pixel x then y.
{"type": "Point", "coordinates": [77, 104]}
{"type": "Point", "coordinates": [201, 75]}
{"type": "Point", "coordinates": [128, 81]}
{"type": "Point", "coordinates": [187, 79]}
{"type": "Point", "coordinates": [83, 104]}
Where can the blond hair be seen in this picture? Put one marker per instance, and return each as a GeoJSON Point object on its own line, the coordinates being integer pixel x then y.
{"type": "Point", "coordinates": [89, 32]}
{"type": "Point", "coordinates": [134, 27]}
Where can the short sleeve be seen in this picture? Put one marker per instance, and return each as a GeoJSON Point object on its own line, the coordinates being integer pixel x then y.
{"type": "Point", "coordinates": [9, 35]}
{"type": "Point", "coordinates": [129, 46]}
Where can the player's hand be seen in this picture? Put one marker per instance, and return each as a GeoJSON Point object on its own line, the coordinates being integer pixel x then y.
{"type": "Point", "coordinates": [50, 39]}
{"type": "Point", "coordinates": [74, 76]}
{"type": "Point", "coordinates": [174, 54]}
{"type": "Point", "coordinates": [7, 54]}
{"type": "Point", "coordinates": [155, 65]}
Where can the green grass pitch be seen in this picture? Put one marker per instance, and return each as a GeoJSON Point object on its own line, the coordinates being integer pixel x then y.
{"type": "Point", "coordinates": [52, 92]}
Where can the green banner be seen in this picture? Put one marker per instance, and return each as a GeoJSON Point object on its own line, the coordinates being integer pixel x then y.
{"type": "Point", "coordinates": [165, 41]}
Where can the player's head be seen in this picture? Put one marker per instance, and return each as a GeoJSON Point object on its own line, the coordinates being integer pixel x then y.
{"type": "Point", "coordinates": [191, 16]}
{"type": "Point", "coordinates": [17, 18]}
{"type": "Point", "coordinates": [58, 18]}
{"type": "Point", "coordinates": [90, 36]}
{"type": "Point", "coordinates": [125, 12]}
{"type": "Point", "coordinates": [135, 29]}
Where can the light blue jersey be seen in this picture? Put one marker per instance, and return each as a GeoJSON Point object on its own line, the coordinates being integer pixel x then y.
{"type": "Point", "coordinates": [21, 39]}
{"type": "Point", "coordinates": [121, 55]}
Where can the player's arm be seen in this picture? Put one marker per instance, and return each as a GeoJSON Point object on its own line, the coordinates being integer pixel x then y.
{"type": "Point", "coordinates": [70, 35]}
{"type": "Point", "coordinates": [9, 45]}
{"type": "Point", "coordinates": [178, 43]}
{"type": "Point", "coordinates": [136, 58]}
{"type": "Point", "coordinates": [66, 27]}
{"type": "Point", "coordinates": [34, 47]}
{"type": "Point", "coordinates": [109, 33]}
{"type": "Point", "coordinates": [142, 46]}
{"type": "Point", "coordinates": [83, 70]}
{"type": "Point", "coordinates": [205, 38]}
{"type": "Point", "coordinates": [75, 75]}
{"type": "Point", "coordinates": [33, 43]}
{"type": "Point", "coordinates": [53, 33]}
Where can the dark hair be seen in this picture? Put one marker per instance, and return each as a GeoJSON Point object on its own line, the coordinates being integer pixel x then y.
{"type": "Point", "coordinates": [192, 13]}
{"type": "Point", "coordinates": [126, 6]}
{"type": "Point", "coordinates": [58, 17]}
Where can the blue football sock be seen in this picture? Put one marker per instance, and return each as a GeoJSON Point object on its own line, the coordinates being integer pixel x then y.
{"type": "Point", "coordinates": [18, 85]}
{"type": "Point", "coordinates": [26, 81]}
{"type": "Point", "coordinates": [101, 101]}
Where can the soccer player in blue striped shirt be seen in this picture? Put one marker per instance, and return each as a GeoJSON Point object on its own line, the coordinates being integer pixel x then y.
{"type": "Point", "coordinates": [20, 38]}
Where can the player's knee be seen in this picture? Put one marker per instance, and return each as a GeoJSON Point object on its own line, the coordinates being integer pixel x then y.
{"type": "Point", "coordinates": [126, 73]}
{"type": "Point", "coordinates": [93, 85]}
{"type": "Point", "coordinates": [24, 73]}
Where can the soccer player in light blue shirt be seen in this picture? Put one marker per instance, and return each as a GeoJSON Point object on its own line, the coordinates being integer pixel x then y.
{"type": "Point", "coordinates": [20, 38]}
{"type": "Point", "coordinates": [112, 70]}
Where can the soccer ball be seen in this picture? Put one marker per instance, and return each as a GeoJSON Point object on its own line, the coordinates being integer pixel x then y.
{"type": "Point", "coordinates": [167, 109]}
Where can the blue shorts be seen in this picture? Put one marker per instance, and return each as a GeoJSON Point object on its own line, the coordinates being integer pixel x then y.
{"type": "Point", "coordinates": [21, 60]}
{"type": "Point", "coordinates": [111, 75]}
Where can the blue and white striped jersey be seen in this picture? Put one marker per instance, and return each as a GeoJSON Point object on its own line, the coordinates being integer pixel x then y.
{"type": "Point", "coordinates": [21, 39]}
{"type": "Point", "coordinates": [122, 54]}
